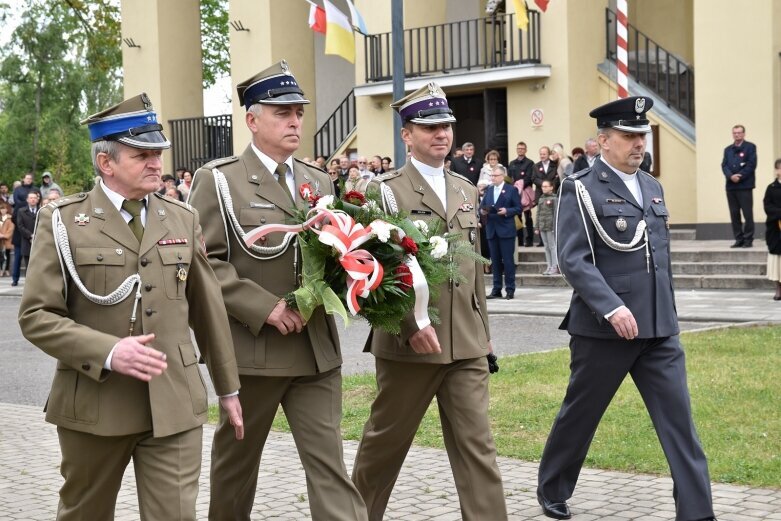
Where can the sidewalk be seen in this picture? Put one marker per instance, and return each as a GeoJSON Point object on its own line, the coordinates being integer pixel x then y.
{"type": "Point", "coordinates": [30, 480]}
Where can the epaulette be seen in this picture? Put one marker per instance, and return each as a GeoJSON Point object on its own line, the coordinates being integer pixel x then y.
{"type": "Point", "coordinates": [310, 165]}
{"type": "Point", "coordinates": [649, 175]}
{"type": "Point", "coordinates": [174, 201]}
{"type": "Point", "coordinates": [221, 161]}
{"type": "Point", "coordinates": [578, 175]}
{"type": "Point", "coordinates": [65, 201]}
{"type": "Point", "coordinates": [456, 174]}
{"type": "Point", "coordinates": [387, 175]}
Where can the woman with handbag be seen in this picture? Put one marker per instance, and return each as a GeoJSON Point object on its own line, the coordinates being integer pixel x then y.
{"type": "Point", "coordinates": [772, 204]}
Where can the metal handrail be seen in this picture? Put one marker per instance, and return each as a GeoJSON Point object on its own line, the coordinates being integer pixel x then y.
{"type": "Point", "coordinates": [481, 43]}
{"type": "Point", "coordinates": [652, 65]}
{"type": "Point", "coordinates": [337, 127]}
{"type": "Point", "coordinates": [196, 141]}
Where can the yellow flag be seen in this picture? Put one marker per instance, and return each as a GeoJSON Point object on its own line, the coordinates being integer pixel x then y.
{"type": "Point", "coordinates": [520, 15]}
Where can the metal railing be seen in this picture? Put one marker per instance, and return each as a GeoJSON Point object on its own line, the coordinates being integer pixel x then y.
{"type": "Point", "coordinates": [196, 141]}
{"type": "Point", "coordinates": [655, 67]}
{"type": "Point", "coordinates": [336, 129]}
{"type": "Point", "coordinates": [481, 43]}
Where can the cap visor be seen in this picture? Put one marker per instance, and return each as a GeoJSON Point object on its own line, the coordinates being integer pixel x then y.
{"type": "Point", "coordinates": [148, 140]}
{"type": "Point", "coordinates": [434, 119]}
{"type": "Point", "coordinates": [643, 129]}
{"type": "Point", "coordinates": [285, 99]}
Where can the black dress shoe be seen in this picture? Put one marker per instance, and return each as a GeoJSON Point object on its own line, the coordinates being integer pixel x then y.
{"type": "Point", "coordinates": [493, 295]}
{"type": "Point", "coordinates": [510, 296]}
{"type": "Point", "coordinates": [738, 244]}
{"type": "Point", "coordinates": [747, 244]}
{"type": "Point", "coordinates": [554, 509]}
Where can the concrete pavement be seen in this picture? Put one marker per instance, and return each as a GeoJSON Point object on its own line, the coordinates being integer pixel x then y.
{"type": "Point", "coordinates": [29, 452]}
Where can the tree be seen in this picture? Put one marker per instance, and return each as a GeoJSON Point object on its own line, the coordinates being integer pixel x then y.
{"type": "Point", "coordinates": [214, 40]}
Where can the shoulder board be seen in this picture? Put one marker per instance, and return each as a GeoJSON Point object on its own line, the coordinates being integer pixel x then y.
{"type": "Point", "coordinates": [309, 165]}
{"type": "Point", "coordinates": [578, 175]}
{"type": "Point", "coordinates": [387, 175]}
{"type": "Point", "coordinates": [652, 177]}
{"type": "Point", "coordinates": [456, 174]}
{"type": "Point", "coordinates": [174, 201]}
{"type": "Point", "coordinates": [221, 161]}
{"type": "Point", "coordinates": [65, 201]}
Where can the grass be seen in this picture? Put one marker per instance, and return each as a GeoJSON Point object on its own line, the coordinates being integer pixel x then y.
{"type": "Point", "coordinates": [734, 381]}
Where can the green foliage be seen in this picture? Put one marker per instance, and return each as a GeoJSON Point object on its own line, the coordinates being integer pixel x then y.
{"type": "Point", "coordinates": [214, 40]}
{"type": "Point", "coordinates": [63, 61]}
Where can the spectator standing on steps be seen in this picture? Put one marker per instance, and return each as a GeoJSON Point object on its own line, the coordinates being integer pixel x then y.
{"type": "Point", "coordinates": [738, 165]}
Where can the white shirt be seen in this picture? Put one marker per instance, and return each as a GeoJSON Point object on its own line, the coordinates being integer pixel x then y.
{"type": "Point", "coordinates": [631, 182]}
{"type": "Point", "coordinates": [497, 192]}
{"type": "Point", "coordinates": [271, 166]}
{"type": "Point", "coordinates": [435, 176]}
{"type": "Point", "coordinates": [117, 201]}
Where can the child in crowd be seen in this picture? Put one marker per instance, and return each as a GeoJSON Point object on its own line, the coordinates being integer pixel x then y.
{"type": "Point", "coordinates": [546, 226]}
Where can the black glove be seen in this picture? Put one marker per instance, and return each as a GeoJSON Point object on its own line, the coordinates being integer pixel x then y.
{"type": "Point", "coordinates": [493, 363]}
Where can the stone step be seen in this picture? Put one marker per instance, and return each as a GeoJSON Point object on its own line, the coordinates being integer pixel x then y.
{"type": "Point", "coordinates": [719, 281]}
{"type": "Point", "coordinates": [737, 255]}
{"type": "Point", "coordinates": [737, 269]}
{"type": "Point", "coordinates": [683, 234]}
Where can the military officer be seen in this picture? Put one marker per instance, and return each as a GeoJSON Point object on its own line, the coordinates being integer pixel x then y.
{"type": "Point", "coordinates": [614, 249]}
{"type": "Point", "coordinates": [281, 360]}
{"type": "Point", "coordinates": [447, 360]}
{"type": "Point", "coordinates": [110, 293]}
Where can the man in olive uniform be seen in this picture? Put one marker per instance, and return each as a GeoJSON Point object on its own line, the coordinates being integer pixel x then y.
{"type": "Point", "coordinates": [281, 360]}
{"type": "Point", "coordinates": [614, 250]}
{"type": "Point", "coordinates": [447, 360]}
{"type": "Point", "coordinates": [117, 276]}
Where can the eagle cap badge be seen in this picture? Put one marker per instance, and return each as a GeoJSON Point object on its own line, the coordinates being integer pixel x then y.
{"type": "Point", "coordinates": [640, 105]}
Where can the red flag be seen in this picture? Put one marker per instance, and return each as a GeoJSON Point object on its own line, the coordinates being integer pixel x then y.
{"type": "Point", "coordinates": [542, 4]}
{"type": "Point", "coordinates": [317, 19]}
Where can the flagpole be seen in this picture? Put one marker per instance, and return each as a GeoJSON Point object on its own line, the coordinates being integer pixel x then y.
{"type": "Point", "coordinates": [397, 36]}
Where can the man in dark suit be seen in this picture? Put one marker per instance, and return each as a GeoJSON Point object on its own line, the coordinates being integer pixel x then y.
{"type": "Point", "coordinates": [467, 165]}
{"type": "Point", "coordinates": [282, 360]}
{"type": "Point", "coordinates": [501, 203]}
{"type": "Point", "coordinates": [586, 160]}
{"type": "Point", "coordinates": [25, 222]}
{"type": "Point", "coordinates": [614, 250]}
{"type": "Point", "coordinates": [446, 360]}
{"type": "Point", "coordinates": [117, 277]}
{"type": "Point", "coordinates": [738, 166]}
{"type": "Point", "coordinates": [521, 169]}
{"type": "Point", "coordinates": [19, 198]}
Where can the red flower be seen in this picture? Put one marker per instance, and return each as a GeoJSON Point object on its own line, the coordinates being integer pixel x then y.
{"type": "Point", "coordinates": [409, 246]}
{"type": "Point", "coordinates": [404, 277]}
{"type": "Point", "coordinates": [354, 197]}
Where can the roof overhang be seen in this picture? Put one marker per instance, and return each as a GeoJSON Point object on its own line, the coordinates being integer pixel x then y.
{"type": "Point", "coordinates": [482, 77]}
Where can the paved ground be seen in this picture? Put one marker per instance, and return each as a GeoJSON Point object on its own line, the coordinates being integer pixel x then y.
{"type": "Point", "coordinates": [29, 453]}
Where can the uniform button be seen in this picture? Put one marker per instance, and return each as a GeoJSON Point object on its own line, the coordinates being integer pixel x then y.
{"type": "Point", "coordinates": [149, 312]}
{"type": "Point", "coordinates": [144, 261]}
{"type": "Point", "coordinates": [649, 232]}
{"type": "Point", "coordinates": [100, 257]}
{"type": "Point", "coordinates": [148, 287]}
{"type": "Point", "coordinates": [86, 367]}
{"type": "Point", "coordinates": [451, 225]}
{"type": "Point", "coordinates": [653, 248]}
{"type": "Point", "coordinates": [458, 284]}
{"type": "Point", "coordinates": [620, 210]}
{"type": "Point", "coordinates": [179, 256]}
{"type": "Point", "coordinates": [262, 220]}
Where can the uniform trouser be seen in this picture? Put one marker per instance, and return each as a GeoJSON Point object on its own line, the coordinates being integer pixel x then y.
{"type": "Point", "coordinates": [741, 201]}
{"type": "Point", "coordinates": [313, 407]}
{"type": "Point", "coordinates": [404, 392]}
{"type": "Point", "coordinates": [167, 471]}
{"type": "Point", "coordinates": [658, 368]}
{"type": "Point", "coordinates": [503, 263]}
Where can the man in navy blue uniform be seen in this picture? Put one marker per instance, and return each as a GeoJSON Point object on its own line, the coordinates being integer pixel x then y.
{"type": "Point", "coordinates": [738, 166]}
{"type": "Point", "coordinates": [500, 204]}
{"type": "Point", "coordinates": [614, 250]}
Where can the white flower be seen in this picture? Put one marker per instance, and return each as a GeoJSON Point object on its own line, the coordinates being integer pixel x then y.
{"type": "Point", "coordinates": [382, 230]}
{"type": "Point", "coordinates": [371, 206]}
{"type": "Point", "coordinates": [440, 246]}
{"type": "Point", "coordinates": [325, 201]}
{"type": "Point", "coordinates": [421, 225]}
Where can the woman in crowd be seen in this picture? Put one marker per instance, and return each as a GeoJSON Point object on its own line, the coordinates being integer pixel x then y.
{"type": "Point", "coordinates": [354, 181]}
{"type": "Point", "coordinates": [6, 234]}
{"type": "Point", "coordinates": [772, 204]}
{"type": "Point", "coordinates": [184, 186]}
{"type": "Point", "coordinates": [492, 158]}
{"type": "Point", "coordinates": [564, 162]}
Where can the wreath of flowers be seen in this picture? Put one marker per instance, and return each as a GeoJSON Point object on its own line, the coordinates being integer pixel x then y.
{"type": "Point", "coordinates": [358, 260]}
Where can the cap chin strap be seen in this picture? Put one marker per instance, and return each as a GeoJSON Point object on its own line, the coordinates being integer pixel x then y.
{"type": "Point", "coordinates": [62, 245]}
{"type": "Point", "coordinates": [641, 233]}
{"type": "Point", "coordinates": [135, 131]}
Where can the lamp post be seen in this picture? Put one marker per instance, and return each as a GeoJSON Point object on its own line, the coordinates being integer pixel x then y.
{"type": "Point", "coordinates": [397, 37]}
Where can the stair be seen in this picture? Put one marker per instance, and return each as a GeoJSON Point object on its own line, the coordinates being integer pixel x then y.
{"type": "Point", "coordinates": [695, 265]}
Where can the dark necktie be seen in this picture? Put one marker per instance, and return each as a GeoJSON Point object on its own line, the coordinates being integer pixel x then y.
{"type": "Point", "coordinates": [282, 179]}
{"type": "Point", "coordinates": [134, 208]}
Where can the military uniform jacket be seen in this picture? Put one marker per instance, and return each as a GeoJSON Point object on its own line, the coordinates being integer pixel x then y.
{"type": "Point", "coordinates": [463, 332]}
{"type": "Point", "coordinates": [55, 316]}
{"type": "Point", "coordinates": [253, 284]}
{"type": "Point", "coordinates": [604, 279]}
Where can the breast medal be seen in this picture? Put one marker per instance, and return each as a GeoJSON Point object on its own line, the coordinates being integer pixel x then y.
{"type": "Point", "coordinates": [621, 224]}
